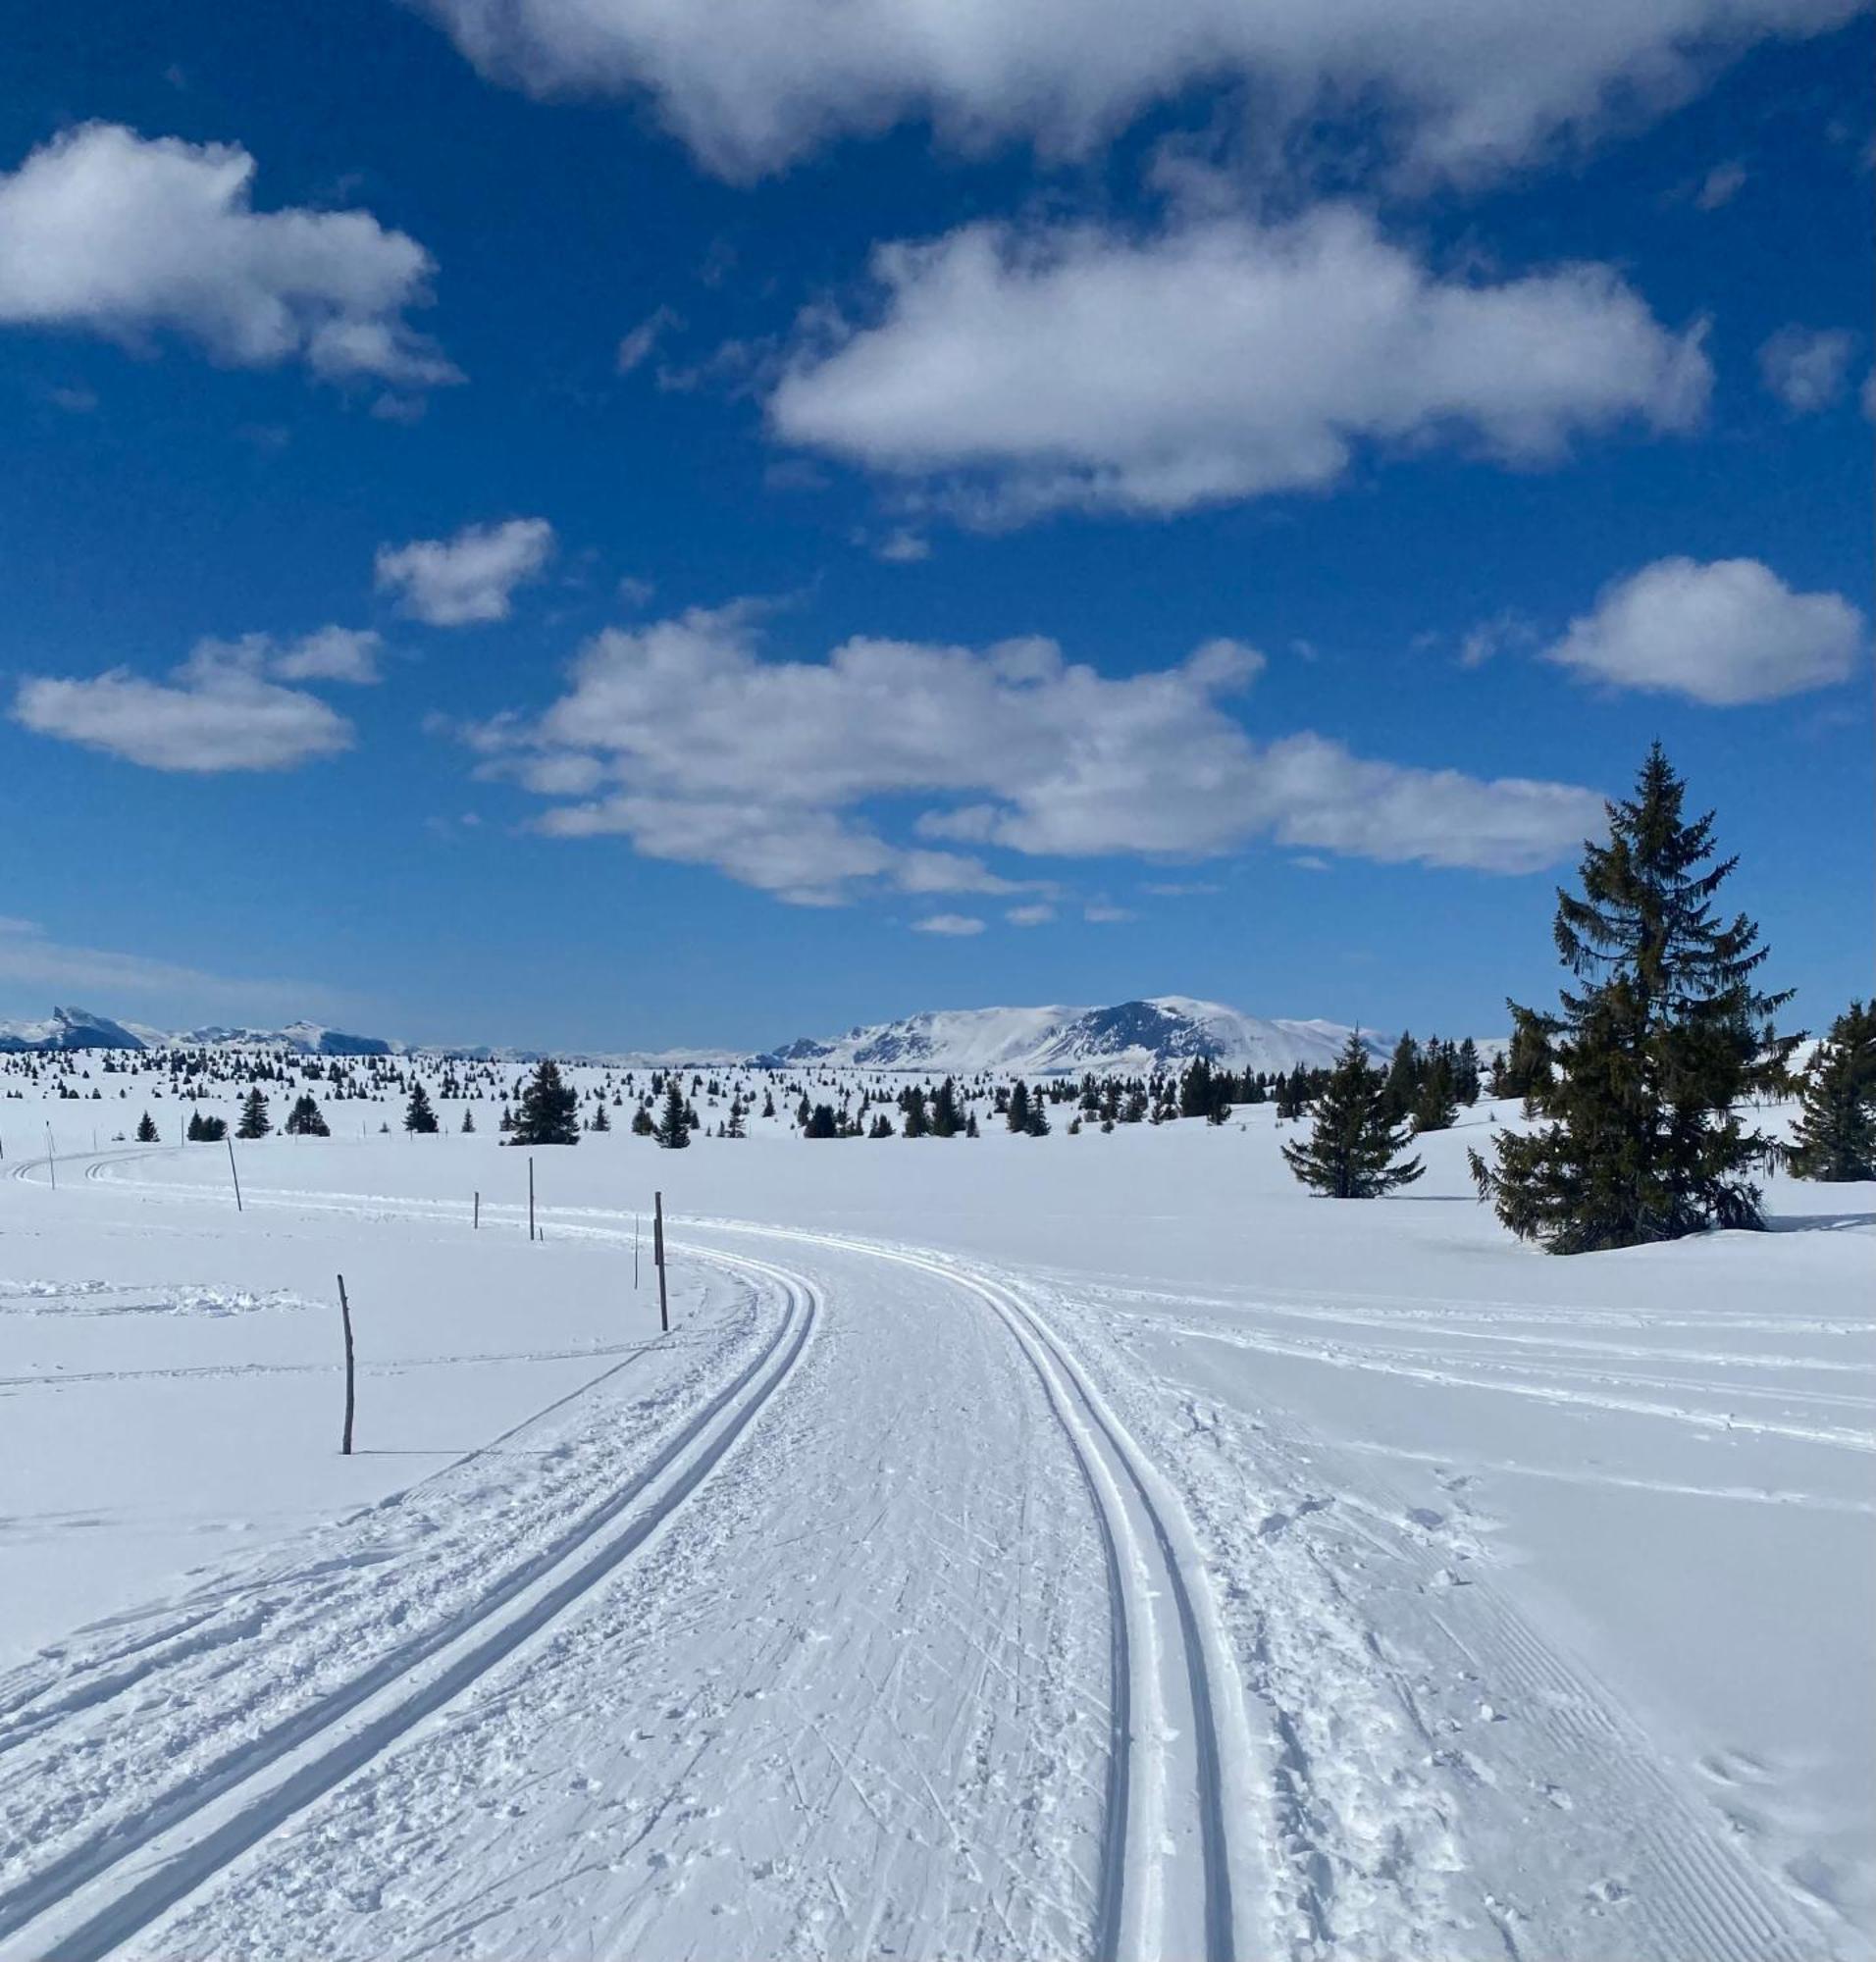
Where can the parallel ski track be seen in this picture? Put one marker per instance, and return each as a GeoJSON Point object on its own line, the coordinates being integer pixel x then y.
{"type": "Point", "coordinates": [108, 1891]}
{"type": "Point", "coordinates": [1185, 1769]}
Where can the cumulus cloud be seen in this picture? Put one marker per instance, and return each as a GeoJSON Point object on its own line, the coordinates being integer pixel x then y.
{"type": "Point", "coordinates": [1459, 90]}
{"type": "Point", "coordinates": [469, 578]}
{"type": "Point", "coordinates": [1723, 633]}
{"type": "Point", "coordinates": [681, 738]}
{"type": "Point", "coordinates": [1077, 366]}
{"type": "Point", "coordinates": [216, 711]}
{"type": "Point", "coordinates": [1807, 368]}
{"type": "Point", "coordinates": [110, 232]}
{"type": "Point", "coordinates": [956, 925]}
{"type": "Point", "coordinates": [1038, 912]}
{"type": "Point", "coordinates": [328, 654]}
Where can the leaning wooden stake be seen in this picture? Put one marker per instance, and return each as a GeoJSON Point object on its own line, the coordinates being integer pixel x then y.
{"type": "Point", "coordinates": [657, 1259]}
{"type": "Point", "coordinates": [531, 1199]}
{"type": "Point", "coordinates": [478, 1218]}
{"type": "Point", "coordinates": [238, 1207]}
{"type": "Point", "coordinates": [344, 1315]}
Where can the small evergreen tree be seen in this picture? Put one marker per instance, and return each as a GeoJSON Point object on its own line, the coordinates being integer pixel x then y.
{"type": "Point", "coordinates": [1035, 1123]}
{"type": "Point", "coordinates": [1437, 1103]}
{"type": "Point", "coordinates": [254, 1122]}
{"type": "Point", "coordinates": [1017, 1106]}
{"type": "Point", "coordinates": [146, 1129]}
{"type": "Point", "coordinates": [1353, 1150]}
{"type": "Point", "coordinates": [1835, 1136]}
{"type": "Point", "coordinates": [643, 1123]}
{"type": "Point", "coordinates": [549, 1109]}
{"type": "Point", "coordinates": [882, 1126]}
{"type": "Point", "coordinates": [600, 1121]}
{"type": "Point", "coordinates": [1667, 1033]}
{"type": "Point", "coordinates": [822, 1122]}
{"type": "Point", "coordinates": [1403, 1078]}
{"type": "Point", "coordinates": [468, 1121]}
{"type": "Point", "coordinates": [420, 1119]}
{"type": "Point", "coordinates": [305, 1120]}
{"type": "Point", "coordinates": [673, 1128]}
{"type": "Point", "coordinates": [1465, 1072]}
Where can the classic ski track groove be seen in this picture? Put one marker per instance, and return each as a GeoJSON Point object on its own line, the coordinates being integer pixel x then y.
{"type": "Point", "coordinates": [95, 1899]}
{"type": "Point", "coordinates": [1178, 1699]}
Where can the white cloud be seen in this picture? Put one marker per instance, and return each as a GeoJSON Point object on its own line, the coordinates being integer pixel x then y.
{"type": "Point", "coordinates": [1721, 185]}
{"type": "Point", "coordinates": [216, 711]}
{"type": "Point", "coordinates": [328, 653]}
{"type": "Point", "coordinates": [1038, 914]}
{"type": "Point", "coordinates": [1221, 359]}
{"type": "Point", "coordinates": [681, 738]}
{"type": "Point", "coordinates": [1491, 638]}
{"type": "Point", "coordinates": [1724, 633]}
{"type": "Point", "coordinates": [1100, 912]}
{"type": "Point", "coordinates": [107, 232]}
{"type": "Point", "coordinates": [1806, 369]}
{"type": "Point", "coordinates": [958, 925]}
{"type": "Point", "coordinates": [638, 346]}
{"type": "Point", "coordinates": [471, 576]}
{"type": "Point", "coordinates": [903, 546]}
{"type": "Point", "coordinates": [1460, 86]}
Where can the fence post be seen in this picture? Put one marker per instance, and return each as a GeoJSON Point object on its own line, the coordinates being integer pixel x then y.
{"type": "Point", "coordinates": [344, 1315]}
{"type": "Point", "coordinates": [657, 1256]}
{"type": "Point", "coordinates": [478, 1218]}
{"type": "Point", "coordinates": [530, 1198]}
{"type": "Point", "coordinates": [238, 1207]}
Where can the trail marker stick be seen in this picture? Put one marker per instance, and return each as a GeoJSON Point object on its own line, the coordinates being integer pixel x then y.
{"type": "Point", "coordinates": [238, 1207]}
{"type": "Point", "coordinates": [344, 1315]}
{"type": "Point", "coordinates": [657, 1256]}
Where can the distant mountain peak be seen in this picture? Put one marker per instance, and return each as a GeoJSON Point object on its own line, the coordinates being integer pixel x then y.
{"type": "Point", "coordinates": [1053, 1041]}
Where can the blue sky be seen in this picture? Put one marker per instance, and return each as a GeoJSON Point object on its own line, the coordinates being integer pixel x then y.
{"type": "Point", "coordinates": [841, 527]}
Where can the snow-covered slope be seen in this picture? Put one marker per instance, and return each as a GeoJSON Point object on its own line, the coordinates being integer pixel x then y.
{"type": "Point", "coordinates": [69, 1028]}
{"type": "Point", "coordinates": [1132, 1035]}
{"type": "Point", "coordinates": [303, 1037]}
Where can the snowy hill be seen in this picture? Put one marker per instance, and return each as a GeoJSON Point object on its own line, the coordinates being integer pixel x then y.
{"type": "Point", "coordinates": [1057, 1041]}
{"type": "Point", "coordinates": [69, 1028]}
{"type": "Point", "coordinates": [82, 1028]}
{"type": "Point", "coordinates": [302, 1037]}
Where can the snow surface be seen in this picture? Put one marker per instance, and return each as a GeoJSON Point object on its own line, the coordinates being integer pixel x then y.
{"type": "Point", "coordinates": [1084, 1545]}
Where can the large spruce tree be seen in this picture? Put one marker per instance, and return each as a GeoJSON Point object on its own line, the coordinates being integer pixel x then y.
{"type": "Point", "coordinates": [1353, 1150]}
{"type": "Point", "coordinates": [1835, 1136]}
{"type": "Point", "coordinates": [254, 1121]}
{"type": "Point", "coordinates": [549, 1113]}
{"type": "Point", "coordinates": [420, 1115]}
{"type": "Point", "coordinates": [1666, 1033]}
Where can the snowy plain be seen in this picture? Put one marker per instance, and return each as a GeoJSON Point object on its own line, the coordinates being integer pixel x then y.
{"type": "Point", "coordinates": [1080, 1545]}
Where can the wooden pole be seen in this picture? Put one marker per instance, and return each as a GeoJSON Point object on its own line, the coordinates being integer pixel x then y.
{"type": "Point", "coordinates": [634, 1251]}
{"type": "Point", "coordinates": [530, 1198]}
{"type": "Point", "coordinates": [657, 1256]}
{"type": "Point", "coordinates": [51, 1158]}
{"type": "Point", "coordinates": [344, 1315]}
{"type": "Point", "coordinates": [238, 1207]}
{"type": "Point", "coordinates": [478, 1217]}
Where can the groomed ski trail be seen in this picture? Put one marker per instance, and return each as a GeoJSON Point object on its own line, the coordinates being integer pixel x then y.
{"type": "Point", "coordinates": [99, 1892]}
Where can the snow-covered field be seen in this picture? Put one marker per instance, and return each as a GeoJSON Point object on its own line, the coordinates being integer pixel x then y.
{"type": "Point", "coordinates": [1018, 1547]}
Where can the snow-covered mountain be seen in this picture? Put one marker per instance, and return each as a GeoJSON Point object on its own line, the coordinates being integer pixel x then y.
{"type": "Point", "coordinates": [1057, 1041]}
{"type": "Point", "coordinates": [302, 1037]}
{"type": "Point", "coordinates": [69, 1028]}
{"type": "Point", "coordinates": [82, 1028]}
